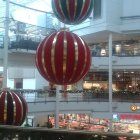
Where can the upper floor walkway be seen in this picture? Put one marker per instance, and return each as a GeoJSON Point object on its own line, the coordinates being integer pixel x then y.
{"type": "Point", "coordinates": [44, 102]}
{"type": "Point", "coordinates": [26, 58]}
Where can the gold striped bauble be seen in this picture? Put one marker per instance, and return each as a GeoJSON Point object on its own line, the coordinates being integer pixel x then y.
{"type": "Point", "coordinates": [63, 58]}
{"type": "Point", "coordinates": [72, 11]}
{"type": "Point", "coordinates": [13, 108]}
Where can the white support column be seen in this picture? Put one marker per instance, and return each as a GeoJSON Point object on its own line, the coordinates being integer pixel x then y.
{"type": "Point", "coordinates": [110, 78]}
{"type": "Point", "coordinates": [6, 43]}
{"type": "Point", "coordinates": [57, 107]}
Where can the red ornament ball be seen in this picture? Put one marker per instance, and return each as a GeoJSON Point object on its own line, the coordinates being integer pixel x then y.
{"type": "Point", "coordinates": [63, 58]}
{"type": "Point", "coordinates": [72, 11]}
{"type": "Point", "coordinates": [13, 108]}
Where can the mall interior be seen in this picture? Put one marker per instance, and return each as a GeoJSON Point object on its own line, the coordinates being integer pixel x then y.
{"type": "Point", "coordinates": [105, 103]}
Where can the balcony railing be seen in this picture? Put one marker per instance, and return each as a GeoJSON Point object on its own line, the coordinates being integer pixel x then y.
{"type": "Point", "coordinates": [31, 44]}
{"type": "Point", "coordinates": [38, 133]}
{"type": "Point", "coordinates": [78, 96]}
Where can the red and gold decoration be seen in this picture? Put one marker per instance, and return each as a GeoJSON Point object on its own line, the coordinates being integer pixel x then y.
{"type": "Point", "coordinates": [13, 108]}
{"type": "Point", "coordinates": [63, 58]}
{"type": "Point", "coordinates": [72, 11]}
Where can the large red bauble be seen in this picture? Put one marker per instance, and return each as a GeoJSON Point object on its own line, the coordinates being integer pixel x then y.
{"type": "Point", "coordinates": [63, 58]}
{"type": "Point", "coordinates": [13, 108]}
{"type": "Point", "coordinates": [72, 11]}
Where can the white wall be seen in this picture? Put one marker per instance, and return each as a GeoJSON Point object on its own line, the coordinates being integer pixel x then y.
{"type": "Point", "coordinates": [131, 7]}
{"type": "Point", "coordinates": [113, 11]}
{"type": "Point", "coordinates": [31, 78]}
{"type": "Point", "coordinates": [99, 108]}
{"type": "Point", "coordinates": [1, 53]}
{"type": "Point", "coordinates": [18, 72]}
{"type": "Point", "coordinates": [10, 83]}
{"type": "Point", "coordinates": [29, 84]}
{"type": "Point", "coordinates": [19, 58]}
{"type": "Point", "coordinates": [117, 62]}
{"type": "Point", "coordinates": [40, 81]}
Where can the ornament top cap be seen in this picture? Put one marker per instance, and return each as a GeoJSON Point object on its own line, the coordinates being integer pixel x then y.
{"type": "Point", "coordinates": [64, 29]}
{"type": "Point", "coordinates": [5, 89]}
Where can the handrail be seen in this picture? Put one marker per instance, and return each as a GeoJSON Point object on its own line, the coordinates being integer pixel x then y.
{"type": "Point", "coordinates": [130, 17]}
{"type": "Point", "coordinates": [41, 132]}
{"type": "Point", "coordinates": [38, 96]}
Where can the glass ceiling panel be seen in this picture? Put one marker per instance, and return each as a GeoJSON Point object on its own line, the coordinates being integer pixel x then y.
{"type": "Point", "coordinates": [36, 14]}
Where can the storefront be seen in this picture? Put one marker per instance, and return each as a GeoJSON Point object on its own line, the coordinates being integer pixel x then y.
{"type": "Point", "coordinates": [121, 123]}
{"type": "Point", "coordinates": [122, 81]}
{"type": "Point", "coordinates": [81, 122]}
{"type": "Point", "coordinates": [129, 123]}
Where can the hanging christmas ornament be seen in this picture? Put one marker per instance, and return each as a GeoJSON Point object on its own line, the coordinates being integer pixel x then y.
{"type": "Point", "coordinates": [13, 108]}
{"type": "Point", "coordinates": [63, 58]}
{"type": "Point", "coordinates": [72, 11]}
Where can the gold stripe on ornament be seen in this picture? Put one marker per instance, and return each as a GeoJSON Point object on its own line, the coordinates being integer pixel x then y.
{"type": "Point", "coordinates": [1, 94]}
{"type": "Point", "coordinates": [37, 62]}
{"type": "Point", "coordinates": [82, 8]}
{"type": "Point", "coordinates": [75, 8]}
{"type": "Point", "coordinates": [14, 113]}
{"type": "Point", "coordinates": [53, 54]}
{"type": "Point", "coordinates": [42, 63]}
{"type": "Point", "coordinates": [21, 104]}
{"type": "Point", "coordinates": [5, 109]}
{"type": "Point", "coordinates": [85, 60]}
{"type": "Point", "coordinates": [64, 56]}
{"type": "Point", "coordinates": [43, 58]}
{"type": "Point", "coordinates": [14, 108]}
{"type": "Point", "coordinates": [61, 8]}
{"type": "Point", "coordinates": [76, 57]}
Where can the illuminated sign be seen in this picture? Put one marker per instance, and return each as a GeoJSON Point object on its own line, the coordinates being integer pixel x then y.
{"type": "Point", "coordinates": [135, 107]}
{"type": "Point", "coordinates": [129, 117]}
{"type": "Point", "coordinates": [115, 117]}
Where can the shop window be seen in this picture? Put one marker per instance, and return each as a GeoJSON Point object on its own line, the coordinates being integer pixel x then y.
{"type": "Point", "coordinates": [96, 81]}
{"type": "Point", "coordinates": [96, 9]}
